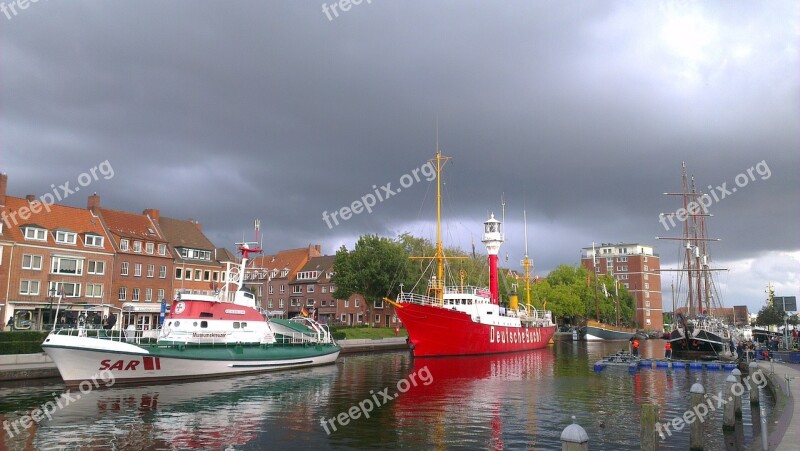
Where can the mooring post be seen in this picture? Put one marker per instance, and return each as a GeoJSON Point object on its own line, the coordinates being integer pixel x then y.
{"type": "Point", "coordinates": [696, 439]}
{"type": "Point", "coordinates": [574, 438]}
{"type": "Point", "coordinates": [647, 434]}
{"type": "Point", "coordinates": [729, 412]}
{"type": "Point", "coordinates": [738, 390]}
{"type": "Point", "coordinates": [753, 388]}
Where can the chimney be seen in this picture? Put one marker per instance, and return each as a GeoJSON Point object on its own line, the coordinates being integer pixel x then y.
{"type": "Point", "coordinates": [196, 224]}
{"type": "Point", "coordinates": [153, 213]}
{"type": "Point", "coordinates": [3, 184]}
{"type": "Point", "coordinates": [94, 202]}
{"type": "Point", "coordinates": [30, 197]}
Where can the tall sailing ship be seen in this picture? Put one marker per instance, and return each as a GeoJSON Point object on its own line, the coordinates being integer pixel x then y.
{"type": "Point", "coordinates": [696, 331]}
{"type": "Point", "coordinates": [468, 320]}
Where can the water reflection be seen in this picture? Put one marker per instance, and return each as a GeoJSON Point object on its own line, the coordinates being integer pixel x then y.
{"type": "Point", "coordinates": [509, 401]}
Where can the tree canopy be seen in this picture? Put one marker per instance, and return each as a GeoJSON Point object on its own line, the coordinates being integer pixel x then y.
{"type": "Point", "coordinates": [374, 269]}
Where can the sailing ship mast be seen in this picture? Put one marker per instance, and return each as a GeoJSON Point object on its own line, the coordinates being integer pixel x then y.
{"type": "Point", "coordinates": [526, 264]}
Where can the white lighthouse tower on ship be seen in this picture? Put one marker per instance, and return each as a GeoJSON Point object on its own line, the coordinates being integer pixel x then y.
{"type": "Point", "coordinates": [492, 239]}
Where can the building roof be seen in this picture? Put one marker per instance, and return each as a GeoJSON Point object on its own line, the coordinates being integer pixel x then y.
{"type": "Point", "coordinates": [224, 255]}
{"type": "Point", "coordinates": [131, 225]}
{"type": "Point", "coordinates": [185, 233]}
{"type": "Point", "coordinates": [323, 264]}
{"type": "Point", "coordinates": [54, 217]}
{"type": "Point", "coordinates": [291, 259]}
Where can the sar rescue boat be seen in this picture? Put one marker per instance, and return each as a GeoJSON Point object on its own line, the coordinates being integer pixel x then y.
{"type": "Point", "coordinates": [202, 336]}
{"type": "Point", "coordinates": [468, 320]}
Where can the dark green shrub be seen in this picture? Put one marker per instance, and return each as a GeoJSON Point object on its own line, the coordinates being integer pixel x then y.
{"type": "Point", "coordinates": [21, 342]}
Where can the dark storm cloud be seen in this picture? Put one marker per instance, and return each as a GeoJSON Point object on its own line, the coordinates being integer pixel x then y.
{"type": "Point", "coordinates": [580, 112]}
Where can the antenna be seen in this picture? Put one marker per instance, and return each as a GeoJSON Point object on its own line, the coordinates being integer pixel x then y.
{"type": "Point", "coordinates": [503, 203]}
{"type": "Point", "coordinates": [525, 219]}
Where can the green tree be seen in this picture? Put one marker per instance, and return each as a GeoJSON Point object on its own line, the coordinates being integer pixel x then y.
{"type": "Point", "coordinates": [374, 269]}
{"type": "Point", "coordinates": [770, 315]}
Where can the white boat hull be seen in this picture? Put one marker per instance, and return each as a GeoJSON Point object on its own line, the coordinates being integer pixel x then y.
{"type": "Point", "coordinates": [82, 359]}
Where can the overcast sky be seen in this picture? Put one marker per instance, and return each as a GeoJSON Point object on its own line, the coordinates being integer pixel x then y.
{"type": "Point", "coordinates": [580, 112]}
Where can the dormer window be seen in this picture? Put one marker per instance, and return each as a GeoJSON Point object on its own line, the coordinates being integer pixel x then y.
{"type": "Point", "coordinates": [149, 248]}
{"type": "Point", "coordinates": [137, 246]}
{"type": "Point", "coordinates": [123, 245]}
{"type": "Point", "coordinates": [162, 249]}
{"type": "Point", "coordinates": [284, 273]}
{"type": "Point", "coordinates": [93, 240]}
{"type": "Point", "coordinates": [35, 234]}
{"type": "Point", "coordinates": [66, 237]}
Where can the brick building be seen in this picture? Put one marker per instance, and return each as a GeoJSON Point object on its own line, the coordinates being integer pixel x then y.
{"type": "Point", "coordinates": [143, 264]}
{"type": "Point", "coordinates": [637, 268]}
{"type": "Point", "coordinates": [195, 267]}
{"type": "Point", "coordinates": [274, 274]}
{"type": "Point", "coordinates": [51, 253]}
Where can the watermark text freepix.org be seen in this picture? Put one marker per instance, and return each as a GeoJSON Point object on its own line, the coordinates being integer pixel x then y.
{"type": "Point", "coordinates": [343, 5]}
{"type": "Point", "coordinates": [716, 194]}
{"type": "Point", "coordinates": [59, 402]}
{"type": "Point", "coordinates": [378, 399]}
{"type": "Point", "coordinates": [10, 9]}
{"type": "Point", "coordinates": [59, 193]}
{"type": "Point", "coordinates": [713, 402]}
{"type": "Point", "coordinates": [386, 191]}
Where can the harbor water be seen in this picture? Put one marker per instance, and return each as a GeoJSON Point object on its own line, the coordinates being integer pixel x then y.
{"type": "Point", "coordinates": [380, 401]}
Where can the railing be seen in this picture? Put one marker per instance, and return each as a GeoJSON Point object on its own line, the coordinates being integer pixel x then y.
{"type": "Point", "coordinates": [418, 299]}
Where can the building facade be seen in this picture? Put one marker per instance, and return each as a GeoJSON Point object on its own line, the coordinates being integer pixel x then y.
{"type": "Point", "coordinates": [57, 260]}
{"type": "Point", "coordinates": [638, 269]}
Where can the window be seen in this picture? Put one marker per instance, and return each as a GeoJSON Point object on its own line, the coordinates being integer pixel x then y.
{"type": "Point", "coordinates": [69, 266]}
{"type": "Point", "coordinates": [137, 270]}
{"type": "Point", "coordinates": [626, 285]}
{"type": "Point", "coordinates": [269, 304]}
{"type": "Point", "coordinates": [360, 318]}
{"type": "Point", "coordinates": [215, 276]}
{"type": "Point", "coordinates": [324, 289]}
{"type": "Point", "coordinates": [332, 289]}
{"type": "Point", "coordinates": [149, 247]}
{"type": "Point", "coordinates": [379, 303]}
{"type": "Point", "coordinates": [646, 276]}
{"type": "Point", "coordinates": [309, 302]}
{"type": "Point", "coordinates": [151, 270]}
{"type": "Point", "coordinates": [645, 267]}
{"type": "Point", "coordinates": [283, 289]}
{"type": "Point", "coordinates": [96, 267]}
{"type": "Point", "coordinates": [94, 290]}
{"type": "Point", "coordinates": [135, 295]}
{"type": "Point", "coordinates": [137, 246]}
{"type": "Point", "coordinates": [377, 319]}
{"type": "Point", "coordinates": [293, 302]}
{"type": "Point", "coordinates": [35, 234]}
{"type": "Point", "coordinates": [198, 274]}
{"type": "Point", "coordinates": [622, 259]}
{"type": "Point", "coordinates": [324, 303]}
{"type": "Point", "coordinates": [646, 286]}
{"type": "Point", "coordinates": [93, 240]}
{"type": "Point", "coordinates": [310, 289]}
{"type": "Point", "coordinates": [622, 268]}
{"type": "Point", "coordinates": [162, 274]}
{"type": "Point", "coordinates": [344, 318]}
{"type": "Point", "coordinates": [297, 289]}
{"type": "Point", "coordinates": [284, 273]}
{"type": "Point", "coordinates": [162, 249]}
{"type": "Point", "coordinates": [644, 259]}
{"type": "Point", "coordinates": [148, 294]}
{"type": "Point", "coordinates": [271, 290]}
{"type": "Point", "coordinates": [647, 304]}
{"type": "Point", "coordinates": [123, 269]}
{"type": "Point", "coordinates": [346, 303]}
{"type": "Point", "coordinates": [178, 273]}
{"type": "Point", "coordinates": [207, 275]}
{"type": "Point", "coordinates": [281, 303]}
{"type": "Point", "coordinates": [357, 304]}
{"type": "Point", "coordinates": [647, 294]}
{"type": "Point", "coordinates": [333, 303]}
{"type": "Point", "coordinates": [160, 294]}
{"type": "Point", "coordinates": [188, 274]}
{"type": "Point", "coordinates": [647, 312]}
{"type": "Point", "coordinates": [70, 290]}
{"type": "Point", "coordinates": [123, 293]}
{"type": "Point", "coordinates": [66, 237]}
{"type": "Point", "coordinates": [123, 245]}
{"type": "Point", "coordinates": [29, 287]}
{"type": "Point", "coordinates": [32, 262]}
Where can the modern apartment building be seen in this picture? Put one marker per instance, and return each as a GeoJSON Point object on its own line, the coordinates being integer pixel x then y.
{"type": "Point", "coordinates": [638, 269]}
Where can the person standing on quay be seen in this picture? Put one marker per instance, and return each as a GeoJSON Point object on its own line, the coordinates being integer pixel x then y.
{"type": "Point", "coordinates": [636, 347]}
{"type": "Point", "coordinates": [668, 351]}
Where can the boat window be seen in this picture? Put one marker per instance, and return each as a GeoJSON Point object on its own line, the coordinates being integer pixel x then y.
{"type": "Point", "coordinates": [470, 302]}
{"type": "Point", "coordinates": [236, 324]}
{"type": "Point", "coordinates": [177, 323]}
{"type": "Point", "coordinates": [204, 324]}
{"type": "Point", "coordinates": [206, 315]}
{"type": "Point", "coordinates": [194, 324]}
{"type": "Point", "coordinates": [244, 325]}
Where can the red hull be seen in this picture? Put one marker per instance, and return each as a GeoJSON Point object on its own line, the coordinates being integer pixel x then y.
{"type": "Point", "coordinates": [436, 331]}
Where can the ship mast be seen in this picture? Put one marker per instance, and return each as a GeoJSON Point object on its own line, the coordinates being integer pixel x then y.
{"type": "Point", "coordinates": [526, 264]}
